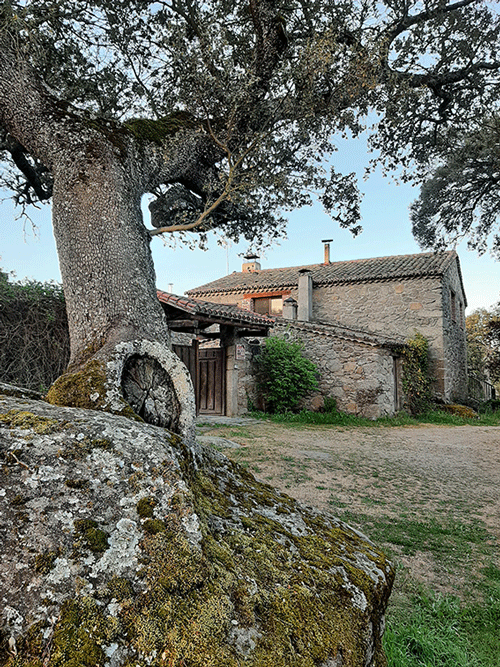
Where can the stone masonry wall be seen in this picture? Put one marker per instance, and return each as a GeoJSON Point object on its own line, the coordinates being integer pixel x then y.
{"type": "Point", "coordinates": [245, 386]}
{"type": "Point", "coordinates": [433, 306]}
{"type": "Point", "coordinates": [229, 299]}
{"type": "Point", "coordinates": [360, 377]}
{"type": "Point", "coordinates": [392, 308]}
{"type": "Point", "coordinates": [454, 342]}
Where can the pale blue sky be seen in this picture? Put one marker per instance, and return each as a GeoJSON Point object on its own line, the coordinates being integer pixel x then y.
{"type": "Point", "coordinates": [387, 231]}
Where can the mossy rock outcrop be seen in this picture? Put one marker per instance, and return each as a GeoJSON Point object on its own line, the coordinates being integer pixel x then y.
{"type": "Point", "coordinates": [122, 546]}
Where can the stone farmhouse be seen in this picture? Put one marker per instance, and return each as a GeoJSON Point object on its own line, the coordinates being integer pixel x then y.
{"type": "Point", "coordinates": [352, 316]}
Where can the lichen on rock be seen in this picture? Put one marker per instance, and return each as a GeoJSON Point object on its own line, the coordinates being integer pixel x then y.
{"type": "Point", "coordinates": [168, 553]}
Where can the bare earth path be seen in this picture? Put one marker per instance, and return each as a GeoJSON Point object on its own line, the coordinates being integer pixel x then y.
{"type": "Point", "coordinates": [408, 477]}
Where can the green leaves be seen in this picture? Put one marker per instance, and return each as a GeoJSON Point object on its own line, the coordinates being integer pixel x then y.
{"type": "Point", "coordinates": [270, 86]}
{"type": "Point", "coordinates": [416, 378]}
{"type": "Point", "coordinates": [284, 376]}
{"type": "Point", "coordinates": [462, 195]}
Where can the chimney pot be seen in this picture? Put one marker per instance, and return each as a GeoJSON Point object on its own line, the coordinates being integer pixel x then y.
{"type": "Point", "coordinates": [289, 309]}
{"type": "Point", "coordinates": [304, 310]}
{"type": "Point", "coordinates": [327, 250]}
{"type": "Point", "coordinates": [252, 264]}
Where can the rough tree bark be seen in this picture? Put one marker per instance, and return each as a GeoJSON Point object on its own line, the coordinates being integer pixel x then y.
{"type": "Point", "coordinates": [104, 254]}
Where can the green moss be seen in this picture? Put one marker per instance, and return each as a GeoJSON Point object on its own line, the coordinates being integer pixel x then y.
{"type": "Point", "coordinates": [44, 562]}
{"type": "Point", "coordinates": [74, 389]}
{"type": "Point", "coordinates": [158, 130]}
{"type": "Point", "coordinates": [31, 644]}
{"type": "Point", "coordinates": [116, 134]}
{"type": "Point", "coordinates": [80, 632]}
{"type": "Point", "coordinates": [145, 507]}
{"type": "Point", "coordinates": [79, 449]}
{"type": "Point", "coordinates": [121, 589]}
{"type": "Point", "coordinates": [19, 500]}
{"type": "Point", "coordinates": [101, 443]}
{"type": "Point", "coordinates": [86, 388]}
{"type": "Point", "coordinates": [127, 411]}
{"type": "Point", "coordinates": [77, 483]}
{"type": "Point", "coordinates": [28, 420]}
{"type": "Point", "coordinates": [460, 411]}
{"type": "Point", "coordinates": [93, 537]}
{"type": "Point", "coordinates": [180, 500]}
{"type": "Point", "coordinates": [154, 526]}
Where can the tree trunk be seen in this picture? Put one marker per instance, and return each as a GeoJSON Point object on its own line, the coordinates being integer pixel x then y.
{"type": "Point", "coordinates": [104, 255]}
{"type": "Point", "coordinates": [120, 354]}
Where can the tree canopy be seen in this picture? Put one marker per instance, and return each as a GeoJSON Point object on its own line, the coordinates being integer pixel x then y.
{"type": "Point", "coordinates": [483, 343]}
{"type": "Point", "coordinates": [461, 198]}
{"type": "Point", "coordinates": [256, 93]}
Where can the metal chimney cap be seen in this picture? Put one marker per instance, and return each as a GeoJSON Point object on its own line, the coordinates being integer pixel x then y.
{"type": "Point", "coordinates": [326, 240]}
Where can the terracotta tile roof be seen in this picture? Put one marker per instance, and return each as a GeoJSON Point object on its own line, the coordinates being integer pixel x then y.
{"type": "Point", "coordinates": [338, 330]}
{"type": "Point", "coordinates": [216, 311]}
{"type": "Point", "coordinates": [422, 265]}
{"type": "Point", "coordinates": [235, 315]}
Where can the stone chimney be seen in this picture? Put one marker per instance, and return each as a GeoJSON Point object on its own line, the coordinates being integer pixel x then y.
{"type": "Point", "coordinates": [289, 309]}
{"type": "Point", "coordinates": [304, 313]}
{"type": "Point", "coordinates": [251, 264]}
{"type": "Point", "coordinates": [327, 250]}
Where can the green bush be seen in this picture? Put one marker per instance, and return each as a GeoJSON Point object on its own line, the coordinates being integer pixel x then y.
{"type": "Point", "coordinates": [417, 383]}
{"type": "Point", "coordinates": [330, 406]}
{"type": "Point", "coordinates": [34, 339]}
{"type": "Point", "coordinates": [284, 376]}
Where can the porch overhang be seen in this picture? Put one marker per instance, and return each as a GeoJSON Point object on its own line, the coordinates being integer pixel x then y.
{"type": "Point", "coordinates": [187, 315]}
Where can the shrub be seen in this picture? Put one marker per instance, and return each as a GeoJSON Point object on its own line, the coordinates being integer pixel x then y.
{"type": "Point", "coordinates": [330, 406]}
{"type": "Point", "coordinates": [460, 410]}
{"type": "Point", "coordinates": [416, 379]}
{"type": "Point", "coordinates": [284, 376]}
{"type": "Point", "coordinates": [34, 339]}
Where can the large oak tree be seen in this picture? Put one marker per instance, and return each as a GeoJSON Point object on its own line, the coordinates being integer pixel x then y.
{"type": "Point", "coordinates": [225, 112]}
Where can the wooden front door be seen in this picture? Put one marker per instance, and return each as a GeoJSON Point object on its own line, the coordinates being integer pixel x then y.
{"type": "Point", "coordinates": [211, 384]}
{"type": "Point", "coordinates": [207, 370]}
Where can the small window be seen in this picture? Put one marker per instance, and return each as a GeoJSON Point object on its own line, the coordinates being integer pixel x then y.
{"type": "Point", "coordinates": [268, 305]}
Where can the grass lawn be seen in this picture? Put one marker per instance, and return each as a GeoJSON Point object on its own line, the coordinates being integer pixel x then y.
{"type": "Point", "coordinates": [453, 618]}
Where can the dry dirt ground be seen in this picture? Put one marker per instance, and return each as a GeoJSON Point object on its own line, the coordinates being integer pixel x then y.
{"type": "Point", "coordinates": [439, 485]}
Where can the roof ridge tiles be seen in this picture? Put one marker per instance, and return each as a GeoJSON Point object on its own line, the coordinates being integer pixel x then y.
{"type": "Point", "coordinates": [344, 271]}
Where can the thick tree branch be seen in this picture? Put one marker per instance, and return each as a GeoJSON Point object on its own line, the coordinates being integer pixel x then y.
{"type": "Point", "coordinates": [25, 100]}
{"type": "Point", "coordinates": [32, 173]}
{"type": "Point", "coordinates": [422, 17]}
{"type": "Point", "coordinates": [271, 40]}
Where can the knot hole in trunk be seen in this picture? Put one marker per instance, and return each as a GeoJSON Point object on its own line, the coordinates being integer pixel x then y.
{"type": "Point", "coordinates": [148, 389]}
